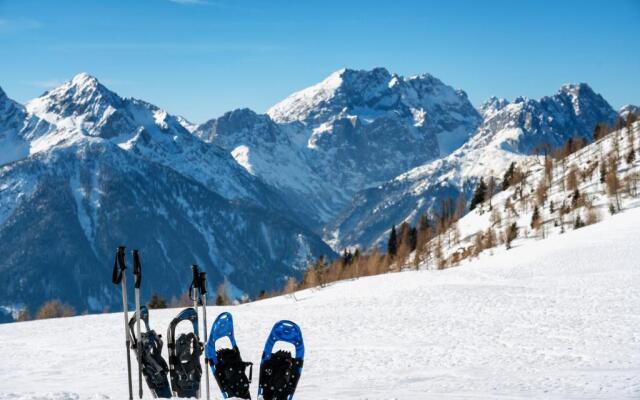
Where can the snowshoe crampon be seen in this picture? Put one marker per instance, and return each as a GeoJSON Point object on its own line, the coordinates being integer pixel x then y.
{"type": "Point", "coordinates": [226, 363]}
{"type": "Point", "coordinates": [184, 356]}
{"type": "Point", "coordinates": [154, 367]}
{"type": "Point", "coordinates": [280, 371]}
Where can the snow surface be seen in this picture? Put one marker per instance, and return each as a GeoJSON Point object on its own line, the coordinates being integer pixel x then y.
{"type": "Point", "coordinates": [553, 319]}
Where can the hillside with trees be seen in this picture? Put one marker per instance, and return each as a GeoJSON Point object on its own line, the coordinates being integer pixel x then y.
{"type": "Point", "coordinates": [552, 192]}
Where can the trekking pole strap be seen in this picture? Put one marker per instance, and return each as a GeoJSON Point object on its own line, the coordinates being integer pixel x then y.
{"type": "Point", "coordinates": [119, 266]}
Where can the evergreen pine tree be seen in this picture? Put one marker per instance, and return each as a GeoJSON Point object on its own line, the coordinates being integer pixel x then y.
{"type": "Point", "coordinates": [508, 175]}
{"type": "Point", "coordinates": [478, 195]}
{"type": "Point", "coordinates": [575, 198]}
{"type": "Point", "coordinates": [535, 218]}
{"type": "Point", "coordinates": [413, 239]}
{"type": "Point", "coordinates": [512, 233]}
{"type": "Point", "coordinates": [603, 172]}
{"type": "Point", "coordinates": [392, 244]}
{"type": "Point", "coordinates": [631, 156]}
{"type": "Point", "coordinates": [156, 302]}
{"type": "Point", "coordinates": [578, 223]}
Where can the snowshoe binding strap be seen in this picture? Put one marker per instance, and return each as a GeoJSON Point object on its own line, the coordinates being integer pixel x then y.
{"type": "Point", "coordinates": [230, 373]}
{"type": "Point", "coordinates": [226, 364]}
{"type": "Point", "coordinates": [279, 376]}
{"type": "Point", "coordinates": [184, 356]}
{"type": "Point", "coordinates": [280, 371]}
{"type": "Point", "coordinates": [154, 367]}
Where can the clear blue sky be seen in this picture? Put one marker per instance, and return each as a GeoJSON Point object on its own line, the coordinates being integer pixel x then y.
{"type": "Point", "coordinates": [200, 58]}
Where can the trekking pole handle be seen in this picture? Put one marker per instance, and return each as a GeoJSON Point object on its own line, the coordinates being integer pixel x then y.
{"type": "Point", "coordinates": [195, 282]}
{"type": "Point", "coordinates": [137, 269]}
{"type": "Point", "coordinates": [203, 283]}
{"type": "Point", "coordinates": [196, 276]}
{"type": "Point", "coordinates": [119, 265]}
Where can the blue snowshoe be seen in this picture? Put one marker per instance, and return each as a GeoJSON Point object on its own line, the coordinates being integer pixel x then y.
{"type": "Point", "coordinates": [280, 371]}
{"type": "Point", "coordinates": [226, 363]}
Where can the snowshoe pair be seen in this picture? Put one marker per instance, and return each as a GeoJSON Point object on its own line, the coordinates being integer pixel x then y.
{"type": "Point", "coordinates": [184, 357]}
{"type": "Point", "coordinates": [279, 371]}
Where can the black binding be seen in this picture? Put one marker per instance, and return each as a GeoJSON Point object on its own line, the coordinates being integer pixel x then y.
{"type": "Point", "coordinates": [279, 376]}
{"type": "Point", "coordinates": [154, 367]}
{"type": "Point", "coordinates": [230, 373]}
{"type": "Point", "coordinates": [184, 356]}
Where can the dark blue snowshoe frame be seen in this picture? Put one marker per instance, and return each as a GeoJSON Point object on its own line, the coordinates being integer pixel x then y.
{"type": "Point", "coordinates": [184, 368]}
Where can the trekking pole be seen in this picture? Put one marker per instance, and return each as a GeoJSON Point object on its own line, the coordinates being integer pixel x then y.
{"type": "Point", "coordinates": [203, 294]}
{"type": "Point", "coordinates": [195, 296]}
{"type": "Point", "coordinates": [194, 289]}
{"type": "Point", "coordinates": [137, 274]}
{"type": "Point", "coordinates": [119, 277]}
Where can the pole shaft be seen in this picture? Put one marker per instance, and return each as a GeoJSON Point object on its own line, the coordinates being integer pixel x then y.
{"type": "Point", "coordinates": [126, 331]}
{"type": "Point", "coordinates": [195, 305]}
{"type": "Point", "coordinates": [138, 342]}
{"type": "Point", "coordinates": [204, 318]}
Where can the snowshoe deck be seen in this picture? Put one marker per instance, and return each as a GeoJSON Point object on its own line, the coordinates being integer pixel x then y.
{"type": "Point", "coordinates": [184, 356]}
{"type": "Point", "coordinates": [280, 371]}
{"type": "Point", "coordinates": [226, 363]}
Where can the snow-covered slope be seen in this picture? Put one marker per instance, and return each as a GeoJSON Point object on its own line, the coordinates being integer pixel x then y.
{"type": "Point", "coordinates": [552, 319]}
{"type": "Point", "coordinates": [510, 132]}
{"type": "Point", "coordinates": [353, 130]}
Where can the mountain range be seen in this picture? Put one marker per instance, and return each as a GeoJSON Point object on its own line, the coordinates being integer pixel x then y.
{"type": "Point", "coordinates": [252, 198]}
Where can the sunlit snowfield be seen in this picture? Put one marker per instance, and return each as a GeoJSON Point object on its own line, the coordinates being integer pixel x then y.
{"type": "Point", "coordinates": [549, 319]}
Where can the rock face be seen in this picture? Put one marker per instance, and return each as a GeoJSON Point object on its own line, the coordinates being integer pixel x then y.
{"type": "Point", "coordinates": [351, 131]}
{"type": "Point", "coordinates": [510, 132]}
{"type": "Point", "coordinates": [98, 171]}
{"type": "Point", "coordinates": [15, 128]}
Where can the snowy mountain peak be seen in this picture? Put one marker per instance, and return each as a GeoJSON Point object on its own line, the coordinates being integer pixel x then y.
{"type": "Point", "coordinates": [78, 103]}
{"type": "Point", "coordinates": [343, 89]}
{"type": "Point", "coordinates": [372, 96]}
{"type": "Point", "coordinates": [629, 109]}
{"type": "Point", "coordinates": [84, 79]}
{"type": "Point", "coordinates": [491, 106]}
{"type": "Point", "coordinates": [583, 99]}
{"type": "Point", "coordinates": [576, 89]}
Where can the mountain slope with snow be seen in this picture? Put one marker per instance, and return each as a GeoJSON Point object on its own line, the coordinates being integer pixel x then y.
{"type": "Point", "coordinates": [84, 107]}
{"type": "Point", "coordinates": [95, 171]}
{"type": "Point", "coordinates": [353, 130]}
{"type": "Point", "coordinates": [553, 319]}
{"type": "Point", "coordinates": [92, 196]}
{"type": "Point", "coordinates": [17, 127]}
{"type": "Point", "coordinates": [511, 132]}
